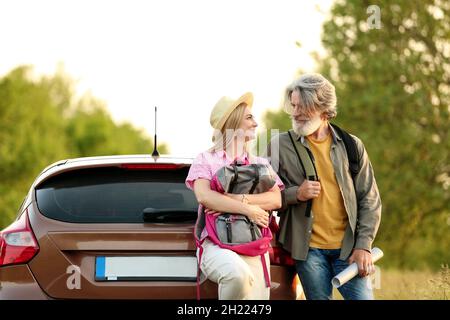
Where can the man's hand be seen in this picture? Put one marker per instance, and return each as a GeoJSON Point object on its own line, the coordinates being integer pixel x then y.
{"type": "Point", "coordinates": [363, 259]}
{"type": "Point", "coordinates": [308, 190]}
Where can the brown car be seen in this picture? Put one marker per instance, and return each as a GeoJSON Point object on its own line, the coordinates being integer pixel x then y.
{"type": "Point", "coordinates": [114, 227]}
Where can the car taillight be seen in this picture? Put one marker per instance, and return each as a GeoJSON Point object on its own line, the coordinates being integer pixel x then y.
{"type": "Point", "coordinates": [281, 257]}
{"type": "Point", "coordinates": [18, 244]}
{"type": "Point", "coordinates": [150, 166]}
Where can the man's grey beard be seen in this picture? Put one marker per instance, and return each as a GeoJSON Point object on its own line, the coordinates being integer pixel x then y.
{"type": "Point", "coordinates": [296, 127]}
{"type": "Point", "coordinates": [308, 127]}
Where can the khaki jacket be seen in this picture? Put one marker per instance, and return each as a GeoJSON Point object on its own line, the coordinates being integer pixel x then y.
{"type": "Point", "coordinates": [361, 200]}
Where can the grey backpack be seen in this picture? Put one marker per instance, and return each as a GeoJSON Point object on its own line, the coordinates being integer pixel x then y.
{"type": "Point", "coordinates": [233, 229]}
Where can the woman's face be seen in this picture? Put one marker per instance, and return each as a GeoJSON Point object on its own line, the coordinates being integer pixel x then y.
{"type": "Point", "coordinates": [248, 125]}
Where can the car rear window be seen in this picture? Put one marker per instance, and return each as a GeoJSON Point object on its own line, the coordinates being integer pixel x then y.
{"type": "Point", "coordinates": [118, 195]}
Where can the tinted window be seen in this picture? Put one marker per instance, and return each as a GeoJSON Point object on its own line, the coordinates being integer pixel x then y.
{"type": "Point", "coordinates": [117, 195]}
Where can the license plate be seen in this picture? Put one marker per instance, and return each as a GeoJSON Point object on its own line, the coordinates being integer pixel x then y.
{"type": "Point", "coordinates": [155, 268]}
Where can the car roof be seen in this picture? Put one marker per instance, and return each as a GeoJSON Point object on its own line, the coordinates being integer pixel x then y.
{"type": "Point", "coordinates": [106, 161]}
{"type": "Point", "coordinates": [134, 157]}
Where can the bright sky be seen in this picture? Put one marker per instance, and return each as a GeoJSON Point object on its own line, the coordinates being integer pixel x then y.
{"type": "Point", "coordinates": [179, 55]}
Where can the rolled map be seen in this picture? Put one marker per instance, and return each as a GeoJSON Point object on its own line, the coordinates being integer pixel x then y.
{"type": "Point", "coordinates": [352, 270]}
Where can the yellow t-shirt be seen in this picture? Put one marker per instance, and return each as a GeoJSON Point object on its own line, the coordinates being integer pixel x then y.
{"type": "Point", "coordinates": [330, 217]}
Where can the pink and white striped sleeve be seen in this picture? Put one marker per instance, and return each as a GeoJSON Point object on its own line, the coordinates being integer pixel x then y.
{"type": "Point", "coordinates": [200, 169]}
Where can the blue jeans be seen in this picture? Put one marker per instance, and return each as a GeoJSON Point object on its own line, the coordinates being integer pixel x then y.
{"type": "Point", "coordinates": [320, 267]}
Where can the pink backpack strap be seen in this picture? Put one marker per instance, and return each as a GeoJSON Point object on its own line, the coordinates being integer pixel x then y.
{"type": "Point", "coordinates": [200, 254]}
{"type": "Point", "coordinates": [266, 272]}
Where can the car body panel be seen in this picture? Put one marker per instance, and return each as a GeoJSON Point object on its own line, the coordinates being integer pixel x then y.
{"type": "Point", "coordinates": [18, 283]}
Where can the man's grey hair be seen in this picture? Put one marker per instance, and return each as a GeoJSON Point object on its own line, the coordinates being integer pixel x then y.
{"type": "Point", "coordinates": [316, 94]}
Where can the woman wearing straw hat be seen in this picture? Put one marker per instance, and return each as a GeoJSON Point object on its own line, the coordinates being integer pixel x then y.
{"type": "Point", "coordinates": [238, 276]}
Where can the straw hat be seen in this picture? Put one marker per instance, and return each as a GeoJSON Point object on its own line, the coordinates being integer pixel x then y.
{"type": "Point", "coordinates": [225, 106]}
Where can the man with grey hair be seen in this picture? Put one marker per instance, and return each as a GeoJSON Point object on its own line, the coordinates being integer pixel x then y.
{"type": "Point", "coordinates": [329, 219]}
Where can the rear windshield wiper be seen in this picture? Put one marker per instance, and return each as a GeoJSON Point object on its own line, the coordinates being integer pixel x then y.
{"type": "Point", "coordinates": [175, 214]}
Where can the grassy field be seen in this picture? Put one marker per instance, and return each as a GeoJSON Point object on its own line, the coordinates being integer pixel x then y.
{"type": "Point", "coordinates": [410, 285]}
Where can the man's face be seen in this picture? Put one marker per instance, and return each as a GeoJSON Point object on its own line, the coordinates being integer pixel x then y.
{"type": "Point", "coordinates": [304, 123]}
{"type": "Point", "coordinates": [299, 115]}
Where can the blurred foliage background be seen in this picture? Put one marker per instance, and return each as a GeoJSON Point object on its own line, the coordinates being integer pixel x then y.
{"type": "Point", "coordinates": [42, 121]}
{"type": "Point", "coordinates": [393, 90]}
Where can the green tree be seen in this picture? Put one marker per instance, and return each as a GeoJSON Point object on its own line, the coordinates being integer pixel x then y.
{"type": "Point", "coordinates": [41, 122]}
{"type": "Point", "coordinates": [30, 137]}
{"type": "Point", "coordinates": [92, 132]}
{"type": "Point", "coordinates": [393, 89]}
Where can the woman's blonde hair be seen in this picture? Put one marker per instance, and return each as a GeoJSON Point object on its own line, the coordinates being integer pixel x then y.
{"type": "Point", "coordinates": [223, 138]}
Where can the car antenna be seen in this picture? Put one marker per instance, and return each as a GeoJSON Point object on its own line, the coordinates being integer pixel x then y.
{"type": "Point", "coordinates": [155, 152]}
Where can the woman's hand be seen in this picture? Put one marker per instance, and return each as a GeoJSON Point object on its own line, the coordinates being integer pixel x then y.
{"type": "Point", "coordinates": [253, 212]}
{"type": "Point", "coordinates": [257, 215]}
{"type": "Point", "coordinates": [210, 211]}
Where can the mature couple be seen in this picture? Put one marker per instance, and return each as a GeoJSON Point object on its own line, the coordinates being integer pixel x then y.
{"type": "Point", "coordinates": [323, 239]}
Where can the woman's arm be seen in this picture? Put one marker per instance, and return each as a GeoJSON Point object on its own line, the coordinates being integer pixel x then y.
{"type": "Point", "coordinates": [270, 200]}
{"type": "Point", "coordinates": [218, 202]}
